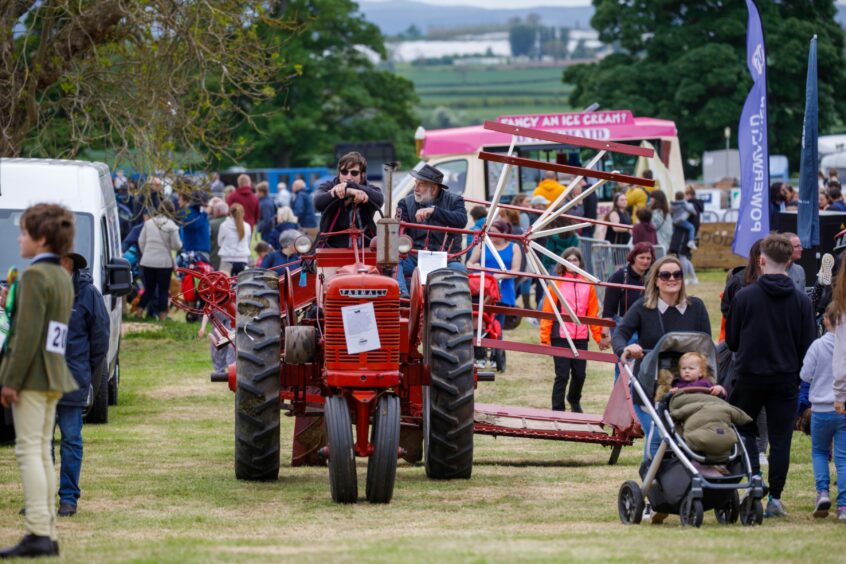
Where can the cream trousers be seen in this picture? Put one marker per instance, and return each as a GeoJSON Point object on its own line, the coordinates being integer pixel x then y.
{"type": "Point", "coordinates": [34, 415]}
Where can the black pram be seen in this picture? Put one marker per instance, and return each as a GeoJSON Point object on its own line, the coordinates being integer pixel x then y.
{"type": "Point", "coordinates": [678, 480]}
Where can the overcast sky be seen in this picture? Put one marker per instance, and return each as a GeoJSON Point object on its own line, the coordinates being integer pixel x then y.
{"type": "Point", "coordinates": [503, 3]}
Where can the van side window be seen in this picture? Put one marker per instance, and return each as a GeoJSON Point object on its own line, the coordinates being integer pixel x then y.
{"type": "Point", "coordinates": [492, 172]}
{"type": "Point", "coordinates": [455, 175]}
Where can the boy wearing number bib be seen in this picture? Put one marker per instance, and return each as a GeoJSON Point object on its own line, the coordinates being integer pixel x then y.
{"type": "Point", "coordinates": [33, 371]}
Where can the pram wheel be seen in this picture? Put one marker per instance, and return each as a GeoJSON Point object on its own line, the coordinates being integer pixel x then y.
{"type": "Point", "coordinates": [751, 512]}
{"type": "Point", "coordinates": [691, 512]}
{"type": "Point", "coordinates": [728, 515]}
{"type": "Point", "coordinates": [499, 359]}
{"type": "Point", "coordinates": [630, 503]}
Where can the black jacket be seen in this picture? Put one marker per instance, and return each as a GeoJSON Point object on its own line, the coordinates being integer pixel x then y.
{"type": "Point", "coordinates": [735, 283]}
{"type": "Point", "coordinates": [449, 212]}
{"type": "Point", "coordinates": [338, 216]}
{"type": "Point", "coordinates": [617, 301]}
{"type": "Point", "coordinates": [88, 337]}
{"type": "Point", "coordinates": [650, 325]}
{"type": "Point", "coordinates": [770, 326]}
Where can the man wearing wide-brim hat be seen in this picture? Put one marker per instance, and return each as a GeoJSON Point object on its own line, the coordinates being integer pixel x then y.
{"type": "Point", "coordinates": [432, 203]}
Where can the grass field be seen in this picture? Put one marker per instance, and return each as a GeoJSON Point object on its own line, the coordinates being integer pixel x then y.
{"type": "Point", "coordinates": [158, 486]}
{"type": "Point", "coordinates": [478, 93]}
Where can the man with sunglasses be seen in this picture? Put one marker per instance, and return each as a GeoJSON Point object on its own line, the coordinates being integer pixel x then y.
{"type": "Point", "coordinates": [351, 188]}
{"type": "Point", "coordinates": [770, 327]}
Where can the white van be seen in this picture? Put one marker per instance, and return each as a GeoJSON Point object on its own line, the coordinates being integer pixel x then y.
{"type": "Point", "coordinates": [86, 189]}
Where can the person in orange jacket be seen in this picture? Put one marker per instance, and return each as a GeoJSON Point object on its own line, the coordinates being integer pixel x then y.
{"type": "Point", "coordinates": [582, 299]}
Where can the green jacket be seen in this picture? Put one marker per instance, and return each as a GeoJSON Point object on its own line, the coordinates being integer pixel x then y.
{"type": "Point", "coordinates": [707, 422]}
{"type": "Point", "coordinates": [34, 356]}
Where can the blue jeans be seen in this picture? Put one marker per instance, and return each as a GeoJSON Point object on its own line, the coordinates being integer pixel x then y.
{"type": "Point", "coordinates": [408, 264]}
{"type": "Point", "coordinates": [827, 428]}
{"type": "Point", "coordinates": [69, 421]}
{"type": "Point", "coordinates": [650, 447]}
{"type": "Point", "coordinates": [691, 230]}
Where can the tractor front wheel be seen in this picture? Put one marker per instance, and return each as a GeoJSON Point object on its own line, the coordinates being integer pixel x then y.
{"type": "Point", "coordinates": [382, 464]}
{"type": "Point", "coordinates": [342, 478]}
{"type": "Point", "coordinates": [258, 325]}
{"type": "Point", "coordinates": [448, 400]}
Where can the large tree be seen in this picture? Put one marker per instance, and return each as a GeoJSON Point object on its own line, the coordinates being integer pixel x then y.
{"type": "Point", "coordinates": [139, 77]}
{"type": "Point", "coordinates": [339, 95]}
{"type": "Point", "coordinates": [686, 61]}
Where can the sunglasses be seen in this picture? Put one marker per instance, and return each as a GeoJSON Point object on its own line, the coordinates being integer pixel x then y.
{"type": "Point", "coordinates": [675, 275]}
{"type": "Point", "coordinates": [350, 172]}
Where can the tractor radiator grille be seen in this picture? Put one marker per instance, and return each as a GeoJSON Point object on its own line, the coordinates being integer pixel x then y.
{"type": "Point", "coordinates": [388, 320]}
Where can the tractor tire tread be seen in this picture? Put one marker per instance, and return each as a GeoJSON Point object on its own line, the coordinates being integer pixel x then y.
{"type": "Point", "coordinates": [257, 340]}
{"type": "Point", "coordinates": [449, 352]}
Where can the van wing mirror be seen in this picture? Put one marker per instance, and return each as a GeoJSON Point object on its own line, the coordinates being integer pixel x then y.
{"type": "Point", "coordinates": [118, 280]}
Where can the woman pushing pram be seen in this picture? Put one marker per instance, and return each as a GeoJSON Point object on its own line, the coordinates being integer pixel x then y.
{"type": "Point", "coordinates": [700, 462]}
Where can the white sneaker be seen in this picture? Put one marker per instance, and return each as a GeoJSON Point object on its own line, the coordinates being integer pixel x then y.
{"type": "Point", "coordinates": [826, 265]}
{"type": "Point", "coordinates": [647, 513]}
{"type": "Point", "coordinates": [533, 322]}
{"type": "Point", "coordinates": [692, 245]}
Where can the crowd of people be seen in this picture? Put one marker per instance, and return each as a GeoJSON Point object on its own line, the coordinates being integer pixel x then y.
{"type": "Point", "coordinates": [765, 307]}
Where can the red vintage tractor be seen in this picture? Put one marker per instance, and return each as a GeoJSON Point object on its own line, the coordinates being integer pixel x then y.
{"type": "Point", "coordinates": [331, 342]}
{"type": "Point", "coordinates": [333, 335]}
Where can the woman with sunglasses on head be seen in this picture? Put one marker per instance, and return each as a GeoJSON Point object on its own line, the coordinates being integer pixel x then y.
{"type": "Point", "coordinates": [664, 308]}
{"type": "Point", "coordinates": [351, 188]}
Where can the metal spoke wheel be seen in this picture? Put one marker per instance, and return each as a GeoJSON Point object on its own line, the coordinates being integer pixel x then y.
{"type": "Point", "coordinates": [342, 478]}
{"type": "Point", "coordinates": [691, 512]}
{"type": "Point", "coordinates": [382, 464]}
{"type": "Point", "coordinates": [751, 511]}
{"type": "Point", "coordinates": [630, 503]}
{"type": "Point", "coordinates": [728, 514]}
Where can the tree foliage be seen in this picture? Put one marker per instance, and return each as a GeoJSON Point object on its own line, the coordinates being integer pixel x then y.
{"type": "Point", "coordinates": [143, 78]}
{"type": "Point", "coordinates": [686, 61]}
{"type": "Point", "coordinates": [522, 39]}
{"type": "Point", "coordinates": [339, 95]}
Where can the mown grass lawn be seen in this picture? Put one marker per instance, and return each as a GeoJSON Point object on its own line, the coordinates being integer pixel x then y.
{"type": "Point", "coordinates": [158, 485]}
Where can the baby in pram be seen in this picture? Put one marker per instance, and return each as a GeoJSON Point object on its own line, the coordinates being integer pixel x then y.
{"type": "Point", "coordinates": [705, 419]}
{"type": "Point", "coordinates": [694, 372]}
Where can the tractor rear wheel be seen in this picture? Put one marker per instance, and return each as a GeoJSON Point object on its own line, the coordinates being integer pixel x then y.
{"type": "Point", "coordinates": [258, 324]}
{"type": "Point", "coordinates": [448, 400]}
{"type": "Point", "coordinates": [382, 464]}
{"type": "Point", "coordinates": [342, 478]}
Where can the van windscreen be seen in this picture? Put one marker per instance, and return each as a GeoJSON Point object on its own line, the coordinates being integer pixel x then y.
{"type": "Point", "coordinates": [10, 221]}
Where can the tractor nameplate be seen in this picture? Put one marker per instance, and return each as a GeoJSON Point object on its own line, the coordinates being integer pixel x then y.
{"type": "Point", "coordinates": [363, 293]}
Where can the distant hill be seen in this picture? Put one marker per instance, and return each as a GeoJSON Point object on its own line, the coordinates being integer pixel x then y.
{"type": "Point", "coordinates": [396, 16]}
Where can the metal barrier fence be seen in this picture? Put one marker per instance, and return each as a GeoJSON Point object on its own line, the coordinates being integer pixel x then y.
{"type": "Point", "coordinates": [586, 245]}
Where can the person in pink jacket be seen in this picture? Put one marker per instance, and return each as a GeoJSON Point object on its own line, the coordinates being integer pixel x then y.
{"type": "Point", "coordinates": [582, 299]}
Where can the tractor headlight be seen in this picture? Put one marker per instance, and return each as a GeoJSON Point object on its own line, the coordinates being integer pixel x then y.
{"type": "Point", "coordinates": [303, 244]}
{"type": "Point", "coordinates": [404, 244]}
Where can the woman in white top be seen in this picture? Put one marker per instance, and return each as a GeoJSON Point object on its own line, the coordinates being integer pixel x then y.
{"type": "Point", "coordinates": [158, 240]}
{"type": "Point", "coordinates": [234, 240]}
